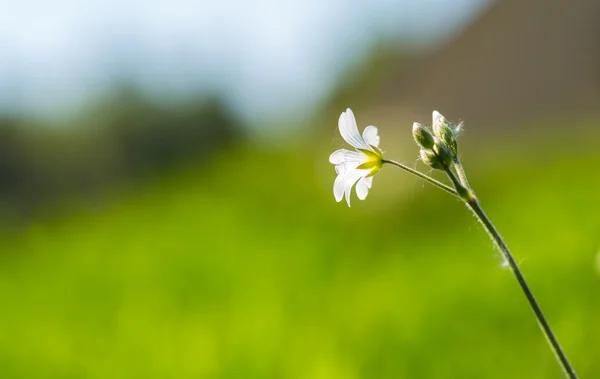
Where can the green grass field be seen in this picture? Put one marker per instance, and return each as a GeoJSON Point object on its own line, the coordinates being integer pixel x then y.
{"type": "Point", "coordinates": [247, 268]}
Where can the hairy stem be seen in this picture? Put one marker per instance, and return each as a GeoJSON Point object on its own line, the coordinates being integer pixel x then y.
{"type": "Point", "coordinates": [424, 177]}
{"type": "Point", "coordinates": [460, 171]}
{"type": "Point", "coordinates": [474, 205]}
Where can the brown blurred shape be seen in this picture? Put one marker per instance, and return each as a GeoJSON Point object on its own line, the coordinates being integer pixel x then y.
{"type": "Point", "coordinates": [518, 60]}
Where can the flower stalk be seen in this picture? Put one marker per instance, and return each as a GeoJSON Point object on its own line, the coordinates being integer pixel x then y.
{"type": "Point", "coordinates": [439, 150]}
{"type": "Point", "coordinates": [427, 178]}
{"type": "Point", "coordinates": [464, 190]}
{"type": "Point", "coordinates": [474, 205]}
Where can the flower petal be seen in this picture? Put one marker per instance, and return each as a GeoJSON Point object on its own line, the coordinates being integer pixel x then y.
{"type": "Point", "coordinates": [362, 189]}
{"type": "Point", "coordinates": [338, 187]}
{"type": "Point", "coordinates": [345, 167]}
{"type": "Point", "coordinates": [370, 136]}
{"type": "Point", "coordinates": [356, 175]}
{"type": "Point", "coordinates": [348, 192]}
{"type": "Point", "coordinates": [343, 155]}
{"type": "Point", "coordinates": [337, 156]}
{"type": "Point", "coordinates": [346, 178]}
{"type": "Point", "coordinates": [343, 184]}
{"type": "Point", "coordinates": [368, 181]}
{"type": "Point", "coordinates": [349, 130]}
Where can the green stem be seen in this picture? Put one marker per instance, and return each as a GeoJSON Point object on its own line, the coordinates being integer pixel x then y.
{"type": "Point", "coordinates": [460, 171]}
{"type": "Point", "coordinates": [424, 177]}
{"type": "Point", "coordinates": [473, 204]}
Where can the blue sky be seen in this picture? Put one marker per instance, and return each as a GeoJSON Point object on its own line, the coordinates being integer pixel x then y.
{"type": "Point", "coordinates": [267, 57]}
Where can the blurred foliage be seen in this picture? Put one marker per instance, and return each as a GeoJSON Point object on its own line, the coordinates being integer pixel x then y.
{"type": "Point", "coordinates": [245, 267]}
{"type": "Point", "coordinates": [124, 137]}
{"type": "Point", "coordinates": [151, 138]}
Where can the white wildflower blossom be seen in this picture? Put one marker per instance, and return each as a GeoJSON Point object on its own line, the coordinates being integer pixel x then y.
{"type": "Point", "coordinates": [358, 166]}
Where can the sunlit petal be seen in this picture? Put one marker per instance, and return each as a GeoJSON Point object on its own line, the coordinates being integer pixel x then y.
{"type": "Point", "coordinates": [362, 189]}
{"type": "Point", "coordinates": [346, 183]}
{"type": "Point", "coordinates": [338, 156]}
{"type": "Point", "coordinates": [346, 166]}
{"type": "Point", "coordinates": [338, 187]}
{"type": "Point", "coordinates": [349, 130]}
{"type": "Point", "coordinates": [345, 180]}
{"type": "Point", "coordinates": [370, 136]}
{"type": "Point", "coordinates": [354, 156]}
{"type": "Point", "coordinates": [347, 193]}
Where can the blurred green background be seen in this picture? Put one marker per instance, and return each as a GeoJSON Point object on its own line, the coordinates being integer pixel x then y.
{"type": "Point", "coordinates": [166, 199]}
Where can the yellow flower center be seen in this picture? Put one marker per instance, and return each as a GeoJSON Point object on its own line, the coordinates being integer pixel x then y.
{"type": "Point", "coordinates": [374, 160]}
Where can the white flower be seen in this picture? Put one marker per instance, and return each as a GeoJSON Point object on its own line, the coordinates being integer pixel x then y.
{"type": "Point", "coordinates": [357, 166]}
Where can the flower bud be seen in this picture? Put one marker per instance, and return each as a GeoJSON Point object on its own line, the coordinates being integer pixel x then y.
{"type": "Point", "coordinates": [423, 137]}
{"type": "Point", "coordinates": [443, 152]}
{"type": "Point", "coordinates": [431, 159]}
{"type": "Point", "coordinates": [442, 128]}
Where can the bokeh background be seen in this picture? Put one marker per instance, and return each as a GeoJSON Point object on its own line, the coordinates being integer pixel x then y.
{"type": "Point", "coordinates": [166, 206]}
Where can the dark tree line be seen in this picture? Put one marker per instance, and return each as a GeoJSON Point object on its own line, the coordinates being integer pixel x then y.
{"type": "Point", "coordinates": [122, 138]}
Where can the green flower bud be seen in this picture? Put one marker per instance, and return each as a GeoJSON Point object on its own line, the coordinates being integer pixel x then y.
{"type": "Point", "coordinates": [423, 137]}
{"type": "Point", "coordinates": [441, 127]}
{"type": "Point", "coordinates": [431, 159]}
{"type": "Point", "coordinates": [443, 130]}
{"type": "Point", "coordinates": [443, 152]}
